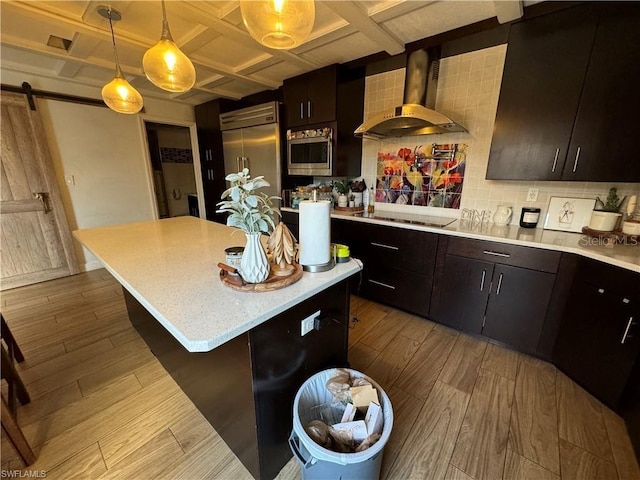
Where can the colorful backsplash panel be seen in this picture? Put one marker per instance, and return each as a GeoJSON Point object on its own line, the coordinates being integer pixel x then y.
{"type": "Point", "coordinates": [426, 175]}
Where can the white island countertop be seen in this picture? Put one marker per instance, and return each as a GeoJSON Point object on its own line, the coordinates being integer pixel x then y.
{"type": "Point", "coordinates": [170, 267]}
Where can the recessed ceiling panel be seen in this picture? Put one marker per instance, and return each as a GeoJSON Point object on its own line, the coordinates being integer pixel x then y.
{"type": "Point", "coordinates": [230, 53]}
{"type": "Point", "coordinates": [343, 50]}
{"type": "Point", "coordinates": [438, 17]}
{"type": "Point", "coordinates": [280, 71]}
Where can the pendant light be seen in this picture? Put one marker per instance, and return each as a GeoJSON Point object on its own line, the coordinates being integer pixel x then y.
{"type": "Point", "coordinates": [279, 24]}
{"type": "Point", "coordinates": [118, 94]}
{"type": "Point", "coordinates": [165, 65]}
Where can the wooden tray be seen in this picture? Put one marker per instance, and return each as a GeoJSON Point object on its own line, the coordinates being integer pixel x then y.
{"type": "Point", "coordinates": [349, 209]}
{"type": "Point", "coordinates": [273, 282]}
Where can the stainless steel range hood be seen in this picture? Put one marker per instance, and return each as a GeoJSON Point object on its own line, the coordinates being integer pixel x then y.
{"type": "Point", "coordinates": [416, 116]}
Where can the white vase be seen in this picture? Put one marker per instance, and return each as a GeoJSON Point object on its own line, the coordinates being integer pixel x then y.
{"type": "Point", "coordinates": [254, 266]}
{"type": "Point", "coordinates": [342, 200]}
{"type": "Point", "coordinates": [503, 215]}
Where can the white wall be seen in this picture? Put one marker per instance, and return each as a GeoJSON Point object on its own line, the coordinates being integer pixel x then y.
{"type": "Point", "coordinates": [105, 153]}
{"type": "Point", "coordinates": [468, 91]}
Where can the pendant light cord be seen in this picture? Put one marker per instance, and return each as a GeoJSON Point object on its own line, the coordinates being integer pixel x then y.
{"type": "Point", "coordinates": [113, 40]}
{"type": "Point", "coordinates": [166, 33]}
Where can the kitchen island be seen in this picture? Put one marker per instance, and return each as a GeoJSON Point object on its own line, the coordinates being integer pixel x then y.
{"type": "Point", "coordinates": [239, 356]}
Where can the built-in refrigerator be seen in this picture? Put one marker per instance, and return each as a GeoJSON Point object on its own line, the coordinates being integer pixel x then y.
{"type": "Point", "coordinates": [251, 139]}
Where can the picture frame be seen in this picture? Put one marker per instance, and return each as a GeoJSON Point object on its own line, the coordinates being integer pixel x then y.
{"type": "Point", "coordinates": [567, 214]}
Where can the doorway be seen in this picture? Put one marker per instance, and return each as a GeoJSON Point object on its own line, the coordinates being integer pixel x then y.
{"type": "Point", "coordinates": [172, 167]}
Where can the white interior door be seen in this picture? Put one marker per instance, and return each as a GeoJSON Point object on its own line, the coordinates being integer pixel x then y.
{"type": "Point", "coordinates": [36, 242]}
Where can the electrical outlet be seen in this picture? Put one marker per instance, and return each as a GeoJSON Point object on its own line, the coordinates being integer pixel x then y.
{"type": "Point", "coordinates": [532, 195]}
{"type": "Point", "coordinates": [307, 324]}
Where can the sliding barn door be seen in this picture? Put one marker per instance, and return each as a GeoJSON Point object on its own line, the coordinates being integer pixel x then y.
{"type": "Point", "coordinates": [36, 242]}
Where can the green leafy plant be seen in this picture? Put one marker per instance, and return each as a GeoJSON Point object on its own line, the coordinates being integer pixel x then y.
{"type": "Point", "coordinates": [342, 187]}
{"type": "Point", "coordinates": [613, 202]}
{"type": "Point", "coordinates": [250, 211]}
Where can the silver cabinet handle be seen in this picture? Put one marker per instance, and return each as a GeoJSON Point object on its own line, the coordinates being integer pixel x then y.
{"type": "Point", "coordinates": [575, 163]}
{"type": "Point", "coordinates": [391, 287]}
{"type": "Point", "coordinates": [496, 254]}
{"type": "Point", "coordinates": [626, 330]}
{"type": "Point", "coordinates": [301, 110]}
{"type": "Point", "coordinates": [555, 160]}
{"type": "Point", "coordinates": [308, 108]}
{"type": "Point", "coordinates": [245, 162]}
{"type": "Point", "coordinates": [484, 275]}
{"type": "Point", "coordinates": [382, 245]}
{"type": "Point", "coordinates": [499, 285]}
{"type": "Point", "coordinates": [237, 164]}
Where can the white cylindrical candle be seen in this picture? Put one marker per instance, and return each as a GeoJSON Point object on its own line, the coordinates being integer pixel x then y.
{"type": "Point", "coordinates": [315, 232]}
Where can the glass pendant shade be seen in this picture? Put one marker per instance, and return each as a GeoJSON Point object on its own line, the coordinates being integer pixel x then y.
{"type": "Point", "coordinates": [279, 24]}
{"type": "Point", "coordinates": [167, 67]}
{"type": "Point", "coordinates": [120, 96]}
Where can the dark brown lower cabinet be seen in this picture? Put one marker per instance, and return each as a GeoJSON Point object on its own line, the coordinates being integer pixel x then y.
{"type": "Point", "coordinates": [502, 302]}
{"type": "Point", "coordinates": [599, 339]}
{"type": "Point", "coordinates": [463, 292]}
{"type": "Point", "coordinates": [517, 306]}
{"type": "Point", "coordinates": [398, 263]}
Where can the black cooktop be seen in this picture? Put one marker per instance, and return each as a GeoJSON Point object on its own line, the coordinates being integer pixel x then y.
{"type": "Point", "coordinates": [424, 220]}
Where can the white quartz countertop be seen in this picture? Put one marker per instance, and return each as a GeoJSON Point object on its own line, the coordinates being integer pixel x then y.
{"type": "Point", "coordinates": [620, 255]}
{"type": "Point", "coordinates": [170, 267]}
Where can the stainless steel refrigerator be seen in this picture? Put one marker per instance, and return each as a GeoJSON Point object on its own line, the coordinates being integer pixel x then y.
{"type": "Point", "coordinates": [251, 139]}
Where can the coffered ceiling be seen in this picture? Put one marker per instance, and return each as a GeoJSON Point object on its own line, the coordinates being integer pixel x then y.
{"type": "Point", "coordinates": [229, 63]}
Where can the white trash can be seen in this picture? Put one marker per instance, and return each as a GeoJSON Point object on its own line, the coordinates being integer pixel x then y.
{"type": "Point", "coordinates": [319, 463]}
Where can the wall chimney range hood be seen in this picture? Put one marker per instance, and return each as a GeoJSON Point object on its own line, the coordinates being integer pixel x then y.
{"type": "Point", "coordinates": [416, 115]}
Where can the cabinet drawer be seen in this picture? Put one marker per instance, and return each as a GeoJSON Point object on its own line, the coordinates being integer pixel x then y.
{"type": "Point", "coordinates": [405, 290]}
{"type": "Point", "coordinates": [506, 254]}
{"type": "Point", "coordinates": [408, 250]}
{"type": "Point", "coordinates": [614, 280]}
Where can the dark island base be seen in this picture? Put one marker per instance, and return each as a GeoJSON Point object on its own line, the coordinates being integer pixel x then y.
{"type": "Point", "coordinates": [245, 388]}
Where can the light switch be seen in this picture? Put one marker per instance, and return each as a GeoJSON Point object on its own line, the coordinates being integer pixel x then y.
{"type": "Point", "coordinates": [69, 180]}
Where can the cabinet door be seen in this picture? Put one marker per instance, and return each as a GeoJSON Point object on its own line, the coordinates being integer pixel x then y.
{"type": "Point", "coordinates": [517, 306]}
{"type": "Point", "coordinates": [321, 95]}
{"type": "Point", "coordinates": [589, 347]}
{"type": "Point", "coordinates": [294, 93]}
{"type": "Point", "coordinates": [546, 62]}
{"type": "Point", "coordinates": [464, 291]}
{"type": "Point", "coordinates": [606, 127]}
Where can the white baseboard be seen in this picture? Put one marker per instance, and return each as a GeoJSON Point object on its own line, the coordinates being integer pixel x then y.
{"type": "Point", "coordinates": [94, 265]}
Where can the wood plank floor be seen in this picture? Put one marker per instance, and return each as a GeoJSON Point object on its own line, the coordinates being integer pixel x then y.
{"type": "Point", "coordinates": [103, 407]}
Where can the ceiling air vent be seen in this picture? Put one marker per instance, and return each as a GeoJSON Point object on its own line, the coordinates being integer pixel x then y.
{"type": "Point", "coordinates": [59, 42]}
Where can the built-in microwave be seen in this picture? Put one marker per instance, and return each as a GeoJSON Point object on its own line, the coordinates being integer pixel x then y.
{"type": "Point", "coordinates": [310, 152]}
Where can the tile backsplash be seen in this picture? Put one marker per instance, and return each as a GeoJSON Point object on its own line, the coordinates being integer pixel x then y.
{"type": "Point", "coordinates": [468, 91]}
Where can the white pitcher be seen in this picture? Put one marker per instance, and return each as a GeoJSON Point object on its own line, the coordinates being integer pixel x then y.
{"type": "Point", "coordinates": [503, 215]}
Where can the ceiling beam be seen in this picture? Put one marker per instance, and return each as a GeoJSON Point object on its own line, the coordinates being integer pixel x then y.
{"type": "Point", "coordinates": [358, 18]}
{"type": "Point", "coordinates": [197, 38]}
{"type": "Point", "coordinates": [68, 69]}
{"type": "Point", "coordinates": [83, 45]}
{"type": "Point", "coordinates": [507, 11]}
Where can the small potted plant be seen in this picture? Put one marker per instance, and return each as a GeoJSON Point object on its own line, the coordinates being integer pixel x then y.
{"type": "Point", "coordinates": [605, 215]}
{"type": "Point", "coordinates": [342, 188]}
{"type": "Point", "coordinates": [253, 213]}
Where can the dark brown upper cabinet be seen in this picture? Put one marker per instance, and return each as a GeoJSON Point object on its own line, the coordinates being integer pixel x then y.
{"type": "Point", "coordinates": [569, 97]}
{"type": "Point", "coordinates": [311, 98]}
